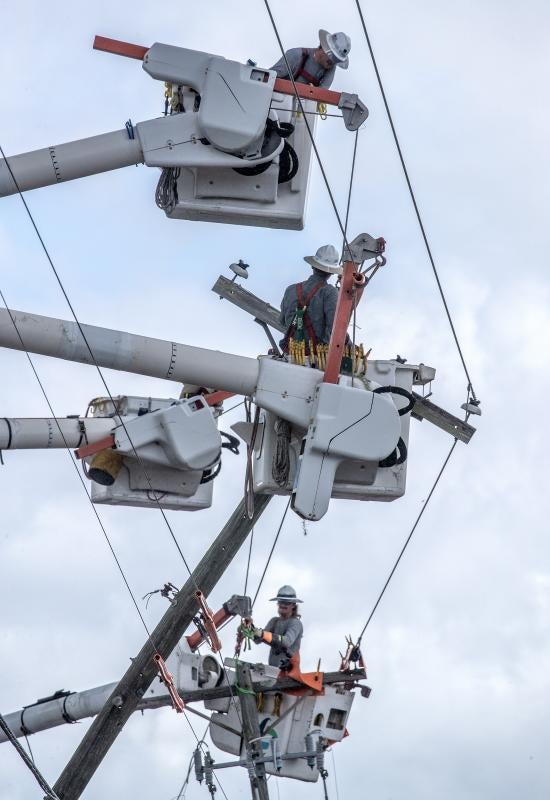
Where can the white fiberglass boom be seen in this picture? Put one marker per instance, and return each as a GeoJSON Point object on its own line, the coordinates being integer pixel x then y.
{"type": "Point", "coordinates": [143, 355]}
{"type": "Point", "coordinates": [234, 148]}
{"type": "Point", "coordinates": [347, 439]}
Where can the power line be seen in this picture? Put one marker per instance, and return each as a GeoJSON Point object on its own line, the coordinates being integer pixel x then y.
{"type": "Point", "coordinates": [310, 132]}
{"type": "Point", "coordinates": [408, 539]}
{"type": "Point", "coordinates": [81, 479]}
{"type": "Point", "coordinates": [271, 551]}
{"type": "Point", "coordinates": [79, 326]}
{"type": "Point", "coordinates": [44, 785]}
{"type": "Point", "coordinates": [413, 198]}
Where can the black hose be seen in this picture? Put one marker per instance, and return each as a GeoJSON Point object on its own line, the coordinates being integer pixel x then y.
{"type": "Point", "coordinates": [232, 443]}
{"type": "Point", "coordinates": [288, 163]}
{"type": "Point", "coordinates": [209, 475]}
{"type": "Point", "coordinates": [398, 456]}
{"type": "Point", "coordinates": [402, 392]}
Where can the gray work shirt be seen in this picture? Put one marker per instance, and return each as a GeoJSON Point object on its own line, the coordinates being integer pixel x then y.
{"type": "Point", "coordinates": [294, 58]}
{"type": "Point", "coordinates": [291, 630]}
{"type": "Point", "coordinates": [320, 309]}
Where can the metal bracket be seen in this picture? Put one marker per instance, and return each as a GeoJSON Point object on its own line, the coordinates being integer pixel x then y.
{"type": "Point", "coordinates": [262, 312]}
{"type": "Point", "coordinates": [363, 248]}
{"type": "Point", "coordinates": [354, 111]}
{"type": "Point", "coordinates": [425, 409]}
{"type": "Point", "coordinates": [269, 335]}
{"type": "Point", "coordinates": [239, 605]}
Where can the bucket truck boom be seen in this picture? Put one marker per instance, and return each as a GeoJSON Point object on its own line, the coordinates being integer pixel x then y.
{"type": "Point", "coordinates": [234, 148]}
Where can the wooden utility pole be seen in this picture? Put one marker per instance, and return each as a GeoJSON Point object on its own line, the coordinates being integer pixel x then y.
{"type": "Point", "coordinates": [126, 697]}
{"type": "Point", "coordinates": [251, 731]}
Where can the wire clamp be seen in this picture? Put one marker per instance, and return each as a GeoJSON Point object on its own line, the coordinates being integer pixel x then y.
{"type": "Point", "coordinates": [352, 654]}
{"type": "Point", "coordinates": [207, 624]}
{"type": "Point", "coordinates": [166, 678]}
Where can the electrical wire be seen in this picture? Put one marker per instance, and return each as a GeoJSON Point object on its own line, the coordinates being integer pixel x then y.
{"type": "Point", "coordinates": [271, 551]}
{"type": "Point", "coordinates": [79, 326]}
{"type": "Point", "coordinates": [306, 122]}
{"type": "Point", "coordinates": [413, 198]}
{"type": "Point", "coordinates": [248, 561]}
{"type": "Point", "coordinates": [29, 763]}
{"type": "Point", "coordinates": [407, 540]}
{"type": "Point", "coordinates": [81, 479]}
{"type": "Point", "coordinates": [352, 173]}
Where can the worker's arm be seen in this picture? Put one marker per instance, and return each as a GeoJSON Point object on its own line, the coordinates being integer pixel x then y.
{"type": "Point", "coordinates": [294, 58]}
{"type": "Point", "coordinates": [293, 632]}
{"type": "Point", "coordinates": [287, 311]}
{"type": "Point", "coordinates": [284, 641]}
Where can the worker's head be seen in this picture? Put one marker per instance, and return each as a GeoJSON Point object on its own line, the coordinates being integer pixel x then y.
{"type": "Point", "coordinates": [334, 49]}
{"type": "Point", "coordinates": [326, 261]}
{"type": "Point", "coordinates": [287, 602]}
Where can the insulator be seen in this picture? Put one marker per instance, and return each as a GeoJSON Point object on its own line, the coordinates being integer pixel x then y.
{"type": "Point", "coordinates": [310, 749]}
{"type": "Point", "coordinates": [276, 754]}
{"type": "Point", "coordinates": [209, 772]}
{"type": "Point", "coordinates": [320, 756]}
{"type": "Point", "coordinates": [250, 766]}
{"type": "Point", "coordinates": [199, 769]}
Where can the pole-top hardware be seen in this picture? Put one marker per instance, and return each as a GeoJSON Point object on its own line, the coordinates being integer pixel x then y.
{"type": "Point", "coordinates": [363, 248]}
{"type": "Point", "coordinates": [166, 678]}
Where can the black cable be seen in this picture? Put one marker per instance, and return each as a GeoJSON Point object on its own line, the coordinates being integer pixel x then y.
{"type": "Point", "coordinates": [248, 561]}
{"type": "Point", "coordinates": [94, 509]}
{"type": "Point", "coordinates": [352, 173]}
{"type": "Point", "coordinates": [310, 132]}
{"type": "Point", "coordinates": [227, 410]}
{"type": "Point", "coordinates": [79, 326]}
{"type": "Point", "coordinates": [413, 198]}
{"type": "Point", "coordinates": [30, 764]}
{"type": "Point", "coordinates": [407, 540]}
{"type": "Point", "coordinates": [271, 551]}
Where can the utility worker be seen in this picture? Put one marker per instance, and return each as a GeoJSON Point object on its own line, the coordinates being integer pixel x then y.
{"type": "Point", "coordinates": [284, 632]}
{"type": "Point", "coordinates": [316, 65]}
{"type": "Point", "coordinates": [310, 306]}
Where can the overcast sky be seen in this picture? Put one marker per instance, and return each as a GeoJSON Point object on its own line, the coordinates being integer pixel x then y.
{"type": "Point", "coordinates": [458, 653]}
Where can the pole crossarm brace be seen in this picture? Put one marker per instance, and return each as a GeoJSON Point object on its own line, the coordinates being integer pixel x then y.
{"type": "Point", "coordinates": [227, 289]}
{"type": "Point", "coordinates": [347, 678]}
{"type": "Point", "coordinates": [425, 409]}
{"type": "Point", "coordinates": [127, 695]}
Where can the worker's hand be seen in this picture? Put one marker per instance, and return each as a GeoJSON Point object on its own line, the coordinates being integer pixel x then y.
{"type": "Point", "coordinates": [258, 634]}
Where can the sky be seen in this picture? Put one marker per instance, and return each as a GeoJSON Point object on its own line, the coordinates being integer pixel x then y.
{"type": "Point", "coordinates": [458, 653]}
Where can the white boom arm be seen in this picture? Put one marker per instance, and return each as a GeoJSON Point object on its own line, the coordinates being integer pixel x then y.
{"type": "Point", "coordinates": [143, 355]}
{"type": "Point", "coordinates": [18, 433]}
{"type": "Point", "coordinates": [334, 425]}
{"type": "Point", "coordinates": [189, 670]}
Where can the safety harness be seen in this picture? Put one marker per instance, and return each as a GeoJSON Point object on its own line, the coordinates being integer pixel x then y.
{"type": "Point", "coordinates": [301, 328]}
{"type": "Point", "coordinates": [302, 73]}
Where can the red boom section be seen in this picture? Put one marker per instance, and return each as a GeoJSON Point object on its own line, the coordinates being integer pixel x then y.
{"type": "Point", "coordinates": [137, 51]}
{"type": "Point", "coordinates": [120, 48]}
{"type": "Point", "coordinates": [351, 289]}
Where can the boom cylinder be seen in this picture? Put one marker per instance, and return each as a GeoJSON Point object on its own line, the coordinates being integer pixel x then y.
{"type": "Point", "coordinates": [65, 162]}
{"type": "Point", "coordinates": [143, 355]}
{"type": "Point", "coordinates": [18, 433]}
{"type": "Point", "coordinates": [57, 710]}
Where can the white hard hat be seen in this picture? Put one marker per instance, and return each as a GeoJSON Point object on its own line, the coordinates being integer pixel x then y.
{"type": "Point", "coordinates": [286, 594]}
{"type": "Point", "coordinates": [337, 46]}
{"type": "Point", "coordinates": [326, 259]}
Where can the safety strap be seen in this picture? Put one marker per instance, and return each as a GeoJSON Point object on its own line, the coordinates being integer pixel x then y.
{"type": "Point", "coordinates": [304, 304]}
{"type": "Point", "coordinates": [302, 73]}
{"type": "Point", "coordinates": [302, 308]}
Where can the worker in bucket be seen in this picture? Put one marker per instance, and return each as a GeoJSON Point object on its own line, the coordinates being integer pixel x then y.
{"type": "Point", "coordinates": [282, 633]}
{"type": "Point", "coordinates": [308, 308]}
{"type": "Point", "coordinates": [316, 65]}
